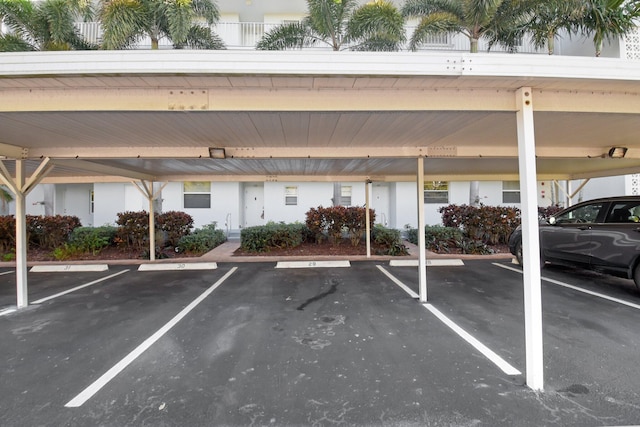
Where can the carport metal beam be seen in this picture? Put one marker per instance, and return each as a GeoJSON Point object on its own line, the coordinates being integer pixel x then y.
{"type": "Point", "coordinates": [530, 240]}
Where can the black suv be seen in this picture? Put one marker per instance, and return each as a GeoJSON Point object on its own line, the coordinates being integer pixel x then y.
{"type": "Point", "coordinates": [601, 235]}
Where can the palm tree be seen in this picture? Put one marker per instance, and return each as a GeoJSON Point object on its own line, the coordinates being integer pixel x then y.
{"type": "Point", "coordinates": [125, 22]}
{"type": "Point", "coordinates": [47, 25]}
{"type": "Point", "coordinates": [473, 18]}
{"type": "Point", "coordinates": [375, 26]}
{"type": "Point", "coordinates": [5, 199]}
{"type": "Point", "coordinates": [606, 19]}
{"type": "Point", "coordinates": [548, 18]}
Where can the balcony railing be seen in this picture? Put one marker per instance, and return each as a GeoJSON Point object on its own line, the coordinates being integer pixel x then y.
{"type": "Point", "coordinates": [245, 35]}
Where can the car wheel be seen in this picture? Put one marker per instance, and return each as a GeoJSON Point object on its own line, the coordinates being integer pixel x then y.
{"type": "Point", "coordinates": [542, 260]}
{"type": "Point", "coordinates": [519, 252]}
{"type": "Point", "coordinates": [636, 275]}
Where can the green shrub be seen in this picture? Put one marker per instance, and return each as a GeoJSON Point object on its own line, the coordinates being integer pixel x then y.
{"type": "Point", "coordinates": [93, 239]}
{"type": "Point", "coordinates": [388, 240]}
{"type": "Point", "coordinates": [133, 229]}
{"type": "Point", "coordinates": [489, 224]}
{"type": "Point", "coordinates": [50, 232]}
{"type": "Point", "coordinates": [201, 240]}
{"type": "Point", "coordinates": [337, 220]}
{"type": "Point", "coordinates": [442, 239]}
{"type": "Point", "coordinates": [66, 251]}
{"type": "Point", "coordinates": [272, 236]}
{"type": "Point", "coordinates": [175, 224]}
{"type": "Point", "coordinates": [7, 233]}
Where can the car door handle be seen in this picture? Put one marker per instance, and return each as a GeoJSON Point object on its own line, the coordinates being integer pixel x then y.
{"type": "Point", "coordinates": [586, 227]}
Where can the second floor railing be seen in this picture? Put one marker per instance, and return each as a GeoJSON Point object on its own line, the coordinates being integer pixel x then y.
{"type": "Point", "coordinates": [245, 35]}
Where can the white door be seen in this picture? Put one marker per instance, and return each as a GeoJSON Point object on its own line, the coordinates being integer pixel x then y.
{"type": "Point", "coordinates": [253, 205]}
{"type": "Point", "coordinates": [380, 203]}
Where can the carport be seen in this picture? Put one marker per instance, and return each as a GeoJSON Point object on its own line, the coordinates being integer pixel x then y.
{"type": "Point", "coordinates": [154, 117]}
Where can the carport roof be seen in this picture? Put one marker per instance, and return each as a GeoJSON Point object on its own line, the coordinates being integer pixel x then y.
{"type": "Point", "coordinates": [307, 115]}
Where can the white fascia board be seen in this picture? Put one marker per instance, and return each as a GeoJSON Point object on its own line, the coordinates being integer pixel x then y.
{"type": "Point", "coordinates": [316, 63]}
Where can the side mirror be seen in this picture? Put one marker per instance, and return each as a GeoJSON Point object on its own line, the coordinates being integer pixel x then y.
{"type": "Point", "coordinates": [552, 220]}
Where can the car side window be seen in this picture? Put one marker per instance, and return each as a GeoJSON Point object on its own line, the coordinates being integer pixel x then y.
{"type": "Point", "coordinates": [582, 214]}
{"type": "Point", "coordinates": [624, 213]}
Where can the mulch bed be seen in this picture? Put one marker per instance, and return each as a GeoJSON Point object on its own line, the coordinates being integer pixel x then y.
{"type": "Point", "coordinates": [325, 248]}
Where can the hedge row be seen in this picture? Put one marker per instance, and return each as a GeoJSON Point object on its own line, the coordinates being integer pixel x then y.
{"type": "Point", "coordinates": [46, 232]}
{"type": "Point", "coordinates": [272, 236]}
{"type": "Point", "coordinates": [65, 236]}
{"type": "Point", "coordinates": [334, 222]}
{"type": "Point", "coordinates": [489, 224]}
{"type": "Point", "coordinates": [133, 230]}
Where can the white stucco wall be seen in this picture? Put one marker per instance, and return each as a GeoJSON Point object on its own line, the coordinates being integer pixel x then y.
{"type": "Point", "coordinates": [310, 195]}
{"type": "Point", "coordinates": [602, 187]}
{"type": "Point", "coordinates": [109, 200]}
{"type": "Point", "coordinates": [225, 203]}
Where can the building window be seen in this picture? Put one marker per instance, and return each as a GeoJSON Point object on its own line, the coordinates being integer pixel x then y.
{"type": "Point", "coordinates": [91, 201]}
{"type": "Point", "coordinates": [197, 195]}
{"type": "Point", "coordinates": [290, 196]}
{"type": "Point", "coordinates": [345, 195]}
{"type": "Point", "coordinates": [436, 192]}
{"type": "Point", "coordinates": [510, 192]}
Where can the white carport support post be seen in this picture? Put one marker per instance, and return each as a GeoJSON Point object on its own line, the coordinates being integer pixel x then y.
{"type": "Point", "coordinates": [20, 187]}
{"type": "Point", "coordinates": [530, 239]}
{"type": "Point", "coordinates": [367, 216]}
{"type": "Point", "coordinates": [146, 188]}
{"type": "Point", "coordinates": [422, 252]}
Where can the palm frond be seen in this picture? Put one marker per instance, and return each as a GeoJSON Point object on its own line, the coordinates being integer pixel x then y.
{"type": "Point", "coordinates": [288, 36]}
{"type": "Point", "coordinates": [421, 8]}
{"type": "Point", "coordinates": [123, 21]}
{"type": "Point", "coordinates": [435, 23]}
{"type": "Point", "coordinates": [377, 26]}
{"type": "Point", "coordinates": [17, 15]}
{"type": "Point", "coordinates": [201, 37]}
{"type": "Point", "coordinates": [14, 43]}
{"type": "Point", "coordinates": [206, 9]}
{"type": "Point", "coordinates": [179, 16]}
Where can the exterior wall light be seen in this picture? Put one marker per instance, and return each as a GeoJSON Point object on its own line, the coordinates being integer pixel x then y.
{"type": "Point", "coordinates": [217, 153]}
{"type": "Point", "coordinates": [617, 152]}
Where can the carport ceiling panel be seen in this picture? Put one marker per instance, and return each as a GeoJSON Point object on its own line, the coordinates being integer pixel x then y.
{"type": "Point", "coordinates": [475, 130]}
{"type": "Point", "coordinates": [590, 130]}
{"type": "Point", "coordinates": [268, 128]}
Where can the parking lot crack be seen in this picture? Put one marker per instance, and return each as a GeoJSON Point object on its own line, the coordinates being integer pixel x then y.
{"type": "Point", "coordinates": [331, 290]}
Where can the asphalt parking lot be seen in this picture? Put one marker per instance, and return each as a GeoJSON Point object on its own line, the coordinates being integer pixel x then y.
{"type": "Point", "coordinates": [250, 344]}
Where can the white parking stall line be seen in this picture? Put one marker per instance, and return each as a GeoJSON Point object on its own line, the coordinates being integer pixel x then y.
{"type": "Point", "coordinates": [68, 291]}
{"type": "Point", "coordinates": [575, 288]}
{"type": "Point", "coordinates": [94, 387]}
{"type": "Point", "coordinates": [8, 311]}
{"type": "Point", "coordinates": [7, 272]}
{"type": "Point", "coordinates": [486, 351]}
{"type": "Point", "coordinates": [398, 282]}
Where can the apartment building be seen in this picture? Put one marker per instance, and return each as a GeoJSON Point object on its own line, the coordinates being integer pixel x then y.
{"type": "Point", "coordinates": [235, 205]}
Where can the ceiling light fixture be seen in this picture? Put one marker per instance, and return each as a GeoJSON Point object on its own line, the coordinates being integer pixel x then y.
{"type": "Point", "coordinates": [217, 153]}
{"type": "Point", "coordinates": [617, 152]}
